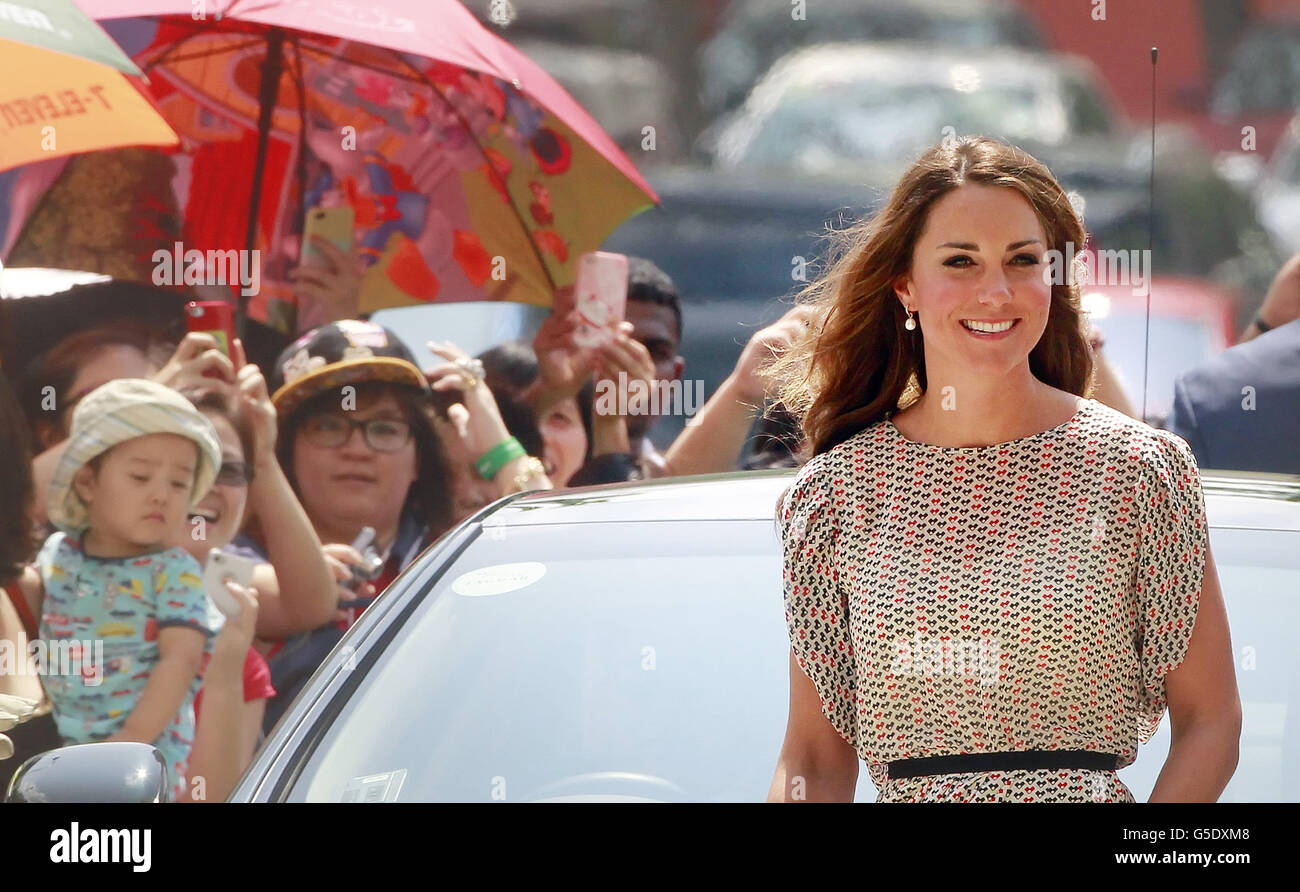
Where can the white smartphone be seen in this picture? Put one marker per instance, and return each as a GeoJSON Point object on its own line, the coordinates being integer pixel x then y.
{"type": "Point", "coordinates": [221, 566]}
{"type": "Point", "coordinates": [600, 293]}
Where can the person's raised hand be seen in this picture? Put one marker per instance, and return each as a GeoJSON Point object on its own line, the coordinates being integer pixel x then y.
{"type": "Point", "coordinates": [765, 346]}
{"type": "Point", "coordinates": [562, 366]}
{"type": "Point", "coordinates": [328, 286]}
{"type": "Point", "coordinates": [626, 354]}
{"type": "Point", "coordinates": [198, 366]}
{"type": "Point", "coordinates": [255, 404]}
{"type": "Point", "coordinates": [480, 425]}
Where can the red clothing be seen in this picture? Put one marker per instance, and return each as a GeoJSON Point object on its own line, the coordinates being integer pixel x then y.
{"type": "Point", "coordinates": [257, 681]}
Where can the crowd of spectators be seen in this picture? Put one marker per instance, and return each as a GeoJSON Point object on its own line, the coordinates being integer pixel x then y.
{"type": "Point", "coordinates": [286, 465]}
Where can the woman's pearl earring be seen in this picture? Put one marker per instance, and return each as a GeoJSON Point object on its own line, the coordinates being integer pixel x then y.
{"type": "Point", "coordinates": [910, 324]}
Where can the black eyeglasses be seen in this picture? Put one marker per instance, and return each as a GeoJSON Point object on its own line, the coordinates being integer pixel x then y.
{"type": "Point", "coordinates": [330, 430]}
{"type": "Point", "coordinates": [235, 473]}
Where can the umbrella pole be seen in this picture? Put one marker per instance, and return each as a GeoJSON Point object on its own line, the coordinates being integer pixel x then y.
{"type": "Point", "coordinates": [272, 68]}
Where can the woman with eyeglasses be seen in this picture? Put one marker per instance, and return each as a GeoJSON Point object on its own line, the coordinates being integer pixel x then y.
{"type": "Point", "coordinates": [358, 444]}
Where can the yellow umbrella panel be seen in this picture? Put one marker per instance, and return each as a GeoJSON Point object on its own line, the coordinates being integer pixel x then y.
{"type": "Point", "coordinates": [52, 104]}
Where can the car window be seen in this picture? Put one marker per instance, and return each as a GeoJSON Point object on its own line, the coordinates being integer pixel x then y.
{"type": "Point", "coordinates": [1259, 572]}
{"type": "Point", "coordinates": [653, 651]}
{"type": "Point", "coordinates": [650, 660]}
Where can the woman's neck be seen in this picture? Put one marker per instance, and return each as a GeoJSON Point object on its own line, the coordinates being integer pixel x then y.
{"type": "Point", "coordinates": [978, 413]}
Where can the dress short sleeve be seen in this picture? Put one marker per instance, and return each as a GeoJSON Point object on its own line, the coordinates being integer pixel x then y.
{"type": "Point", "coordinates": [816, 609]}
{"type": "Point", "coordinates": [1174, 540]}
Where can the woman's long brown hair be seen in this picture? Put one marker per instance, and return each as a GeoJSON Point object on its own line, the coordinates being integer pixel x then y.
{"type": "Point", "coordinates": [858, 360]}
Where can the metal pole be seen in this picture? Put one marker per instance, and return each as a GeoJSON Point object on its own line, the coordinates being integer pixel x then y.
{"type": "Point", "coordinates": [272, 68]}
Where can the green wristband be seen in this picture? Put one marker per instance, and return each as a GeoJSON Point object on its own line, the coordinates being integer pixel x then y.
{"type": "Point", "coordinates": [498, 457]}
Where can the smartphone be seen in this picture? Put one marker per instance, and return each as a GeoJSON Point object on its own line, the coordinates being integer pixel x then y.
{"type": "Point", "coordinates": [214, 317]}
{"type": "Point", "coordinates": [600, 294]}
{"type": "Point", "coordinates": [332, 224]}
{"type": "Point", "coordinates": [221, 566]}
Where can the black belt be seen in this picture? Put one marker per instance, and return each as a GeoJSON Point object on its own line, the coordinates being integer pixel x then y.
{"type": "Point", "coordinates": [1025, 760]}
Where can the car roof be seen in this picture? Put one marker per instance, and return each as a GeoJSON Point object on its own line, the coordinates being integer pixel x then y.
{"type": "Point", "coordinates": [911, 62]}
{"type": "Point", "coordinates": [747, 11]}
{"type": "Point", "coordinates": [1238, 500]}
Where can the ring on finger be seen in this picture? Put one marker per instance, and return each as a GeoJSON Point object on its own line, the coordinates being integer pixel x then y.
{"type": "Point", "coordinates": [472, 371]}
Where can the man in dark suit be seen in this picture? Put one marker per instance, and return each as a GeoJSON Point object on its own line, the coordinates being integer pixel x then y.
{"type": "Point", "coordinates": [1241, 410]}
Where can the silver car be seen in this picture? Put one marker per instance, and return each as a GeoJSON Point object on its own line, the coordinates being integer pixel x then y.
{"type": "Point", "coordinates": [628, 643]}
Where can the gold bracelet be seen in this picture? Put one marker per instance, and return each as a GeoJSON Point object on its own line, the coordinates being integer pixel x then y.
{"type": "Point", "coordinates": [532, 467]}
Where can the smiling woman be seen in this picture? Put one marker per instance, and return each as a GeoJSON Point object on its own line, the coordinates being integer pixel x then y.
{"type": "Point", "coordinates": [357, 443]}
{"type": "Point", "coordinates": [963, 494]}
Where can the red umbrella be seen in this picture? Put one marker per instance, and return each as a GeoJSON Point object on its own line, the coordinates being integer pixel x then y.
{"type": "Point", "coordinates": [470, 174]}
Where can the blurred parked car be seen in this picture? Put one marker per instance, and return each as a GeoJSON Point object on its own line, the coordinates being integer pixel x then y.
{"type": "Point", "coordinates": [628, 643]}
{"type": "Point", "coordinates": [755, 33]}
{"type": "Point", "coordinates": [881, 104]}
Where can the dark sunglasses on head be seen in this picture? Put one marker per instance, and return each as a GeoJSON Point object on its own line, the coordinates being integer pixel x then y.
{"type": "Point", "coordinates": [235, 473]}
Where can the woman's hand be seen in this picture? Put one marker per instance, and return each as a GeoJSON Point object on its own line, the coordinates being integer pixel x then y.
{"type": "Point", "coordinates": [255, 403]}
{"type": "Point", "coordinates": [199, 365]}
{"type": "Point", "coordinates": [329, 288]}
{"type": "Point", "coordinates": [765, 347]}
{"type": "Point", "coordinates": [625, 354]}
{"type": "Point", "coordinates": [480, 425]}
{"type": "Point", "coordinates": [562, 367]}
{"type": "Point", "coordinates": [236, 636]}
{"type": "Point", "coordinates": [341, 558]}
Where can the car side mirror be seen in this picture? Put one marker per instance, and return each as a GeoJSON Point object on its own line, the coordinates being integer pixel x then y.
{"type": "Point", "coordinates": [93, 772]}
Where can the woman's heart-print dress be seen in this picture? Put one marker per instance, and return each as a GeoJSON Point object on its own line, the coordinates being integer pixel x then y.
{"type": "Point", "coordinates": [1022, 596]}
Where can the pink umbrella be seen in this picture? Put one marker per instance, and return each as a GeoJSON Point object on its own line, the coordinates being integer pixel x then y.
{"type": "Point", "coordinates": [466, 156]}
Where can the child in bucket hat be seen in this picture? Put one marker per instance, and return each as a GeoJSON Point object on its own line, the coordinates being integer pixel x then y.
{"type": "Point", "coordinates": [126, 605]}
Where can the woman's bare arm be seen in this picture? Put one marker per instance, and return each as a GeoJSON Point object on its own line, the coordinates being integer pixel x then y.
{"type": "Point", "coordinates": [296, 586]}
{"type": "Point", "coordinates": [1204, 707]}
{"type": "Point", "coordinates": [226, 735]}
{"type": "Point", "coordinates": [816, 764]}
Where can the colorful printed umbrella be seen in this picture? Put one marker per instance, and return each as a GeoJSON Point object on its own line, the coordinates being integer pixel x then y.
{"type": "Point", "coordinates": [63, 90]}
{"type": "Point", "coordinates": [469, 172]}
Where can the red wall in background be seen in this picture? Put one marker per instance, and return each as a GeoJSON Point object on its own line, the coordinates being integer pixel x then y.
{"type": "Point", "coordinates": [1120, 45]}
{"type": "Point", "coordinates": [1271, 8]}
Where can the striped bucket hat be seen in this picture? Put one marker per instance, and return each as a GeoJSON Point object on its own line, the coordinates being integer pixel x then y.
{"type": "Point", "coordinates": [118, 411]}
